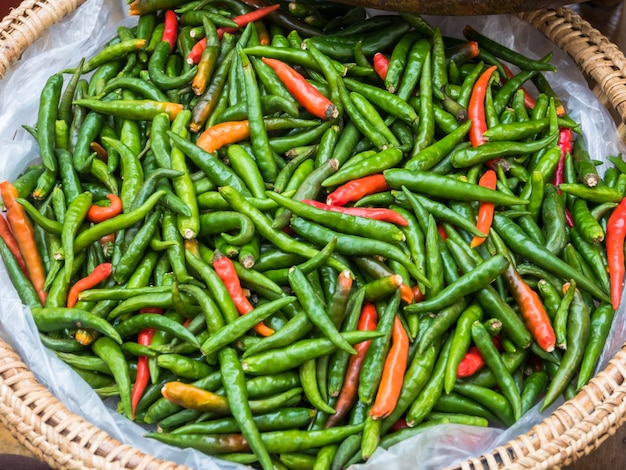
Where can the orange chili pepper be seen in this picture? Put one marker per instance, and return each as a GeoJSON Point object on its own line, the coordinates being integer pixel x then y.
{"type": "Point", "coordinates": [476, 107]}
{"type": "Point", "coordinates": [99, 274]}
{"type": "Point", "coordinates": [393, 373]}
{"type": "Point", "coordinates": [485, 209]}
{"type": "Point", "coordinates": [225, 269]}
{"type": "Point", "coordinates": [9, 239]}
{"type": "Point", "coordinates": [264, 34]}
{"type": "Point", "coordinates": [304, 93]}
{"type": "Point", "coordinates": [195, 398]}
{"type": "Point", "coordinates": [532, 309]}
{"type": "Point", "coordinates": [24, 233]}
{"type": "Point", "coordinates": [224, 133]}
{"type": "Point", "coordinates": [406, 293]}
{"type": "Point", "coordinates": [97, 214]}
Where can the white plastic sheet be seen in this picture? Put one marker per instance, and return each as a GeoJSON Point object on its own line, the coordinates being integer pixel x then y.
{"type": "Point", "coordinates": [83, 33]}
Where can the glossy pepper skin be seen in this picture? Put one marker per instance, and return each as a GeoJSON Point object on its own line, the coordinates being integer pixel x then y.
{"type": "Point", "coordinates": [615, 236]}
{"type": "Point", "coordinates": [366, 190]}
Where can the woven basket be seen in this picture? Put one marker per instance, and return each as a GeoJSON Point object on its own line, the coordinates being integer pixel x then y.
{"type": "Point", "coordinates": [65, 440]}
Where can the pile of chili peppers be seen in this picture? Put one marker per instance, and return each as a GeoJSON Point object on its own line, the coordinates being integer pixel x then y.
{"type": "Point", "coordinates": [289, 235]}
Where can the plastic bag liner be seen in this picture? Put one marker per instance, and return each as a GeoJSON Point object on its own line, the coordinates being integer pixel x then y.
{"type": "Point", "coordinates": [84, 32]}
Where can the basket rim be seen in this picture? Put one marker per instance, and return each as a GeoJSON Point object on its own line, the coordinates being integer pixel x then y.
{"type": "Point", "coordinates": [65, 440]}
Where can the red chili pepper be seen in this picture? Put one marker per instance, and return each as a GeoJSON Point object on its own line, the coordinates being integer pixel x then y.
{"type": "Point", "coordinates": [348, 395]}
{"type": "Point", "coordinates": [170, 30]}
{"type": "Point", "coordinates": [356, 189]}
{"type": "Point", "coordinates": [144, 337]}
{"type": "Point", "coordinates": [476, 107]}
{"type": "Point", "coordinates": [418, 295]}
{"type": "Point", "coordinates": [485, 209]}
{"type": "Point", "coordinates": [304, 93]}
{"type": "Point", "coordinates": [99, 274]}
{"type": "Point", "coordinates": [225, 269]}
{"type": "Point", "coordinates": [473, 361]}
{"type": "Point", "coordinates": [529, 101]}
{"type": "Point", "coordinates": [97, 214]}
{"type": "Point", "coordinates": [615, 234]}
{"type": "Point", "coordinates": [24, 233]}
{"type": "Point", "coordinates": [377, 213]}
{"type": "Point", "coordinates": [393, 373]}
{"type": "Point", "coordinates": [381, 63]}
{"type": "Point", "coordinates": [399, 424]}
{"type": "Point", "coordinates": [568, 218]}
{"type": "Point", "coordinates": [243, 20]}
{"type": "Point", "coordinates": [9, 239]}
{"type": "Point", "coordinates": [565, 144]}
{"type": "Point", "coordinates": [442, 232]}
{"type": "Point", "coordinates": [193, 57]}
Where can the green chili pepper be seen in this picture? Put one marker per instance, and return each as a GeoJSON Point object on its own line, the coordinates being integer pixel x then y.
{"type": "Point", "coordinates": [601, 322]}
{"type": "Point", "coordinates": [599, 194]}
{"type": "Point", "coordinates": [492, 358]}
{"type": "Point", "coordinates": [136, 323]}
{"type": "Point", "coordinates": [352, 244]}
{"type": "Point", "coordinates": [554, 222]}
{"type": "Point", "coordinates": [461, 341]}
{"type": "Point", "coordinates": [281, 359]}
{"type": "Point", "coordinates": [586, 225]}
{"type": "Point", "coordinates": [432, 389]}
{"type": "Point", "coordinates": [260, 142]}
{"type": "Point", "coordinates": [578, 325]}
{"type": "Point", "coordinates": [426, 125]}
{"type": "Point", "coordinates": [109, 351]}
{"type": "Point", "coordinates": [229, 333]}
{"type": "Point", "coordinates": [342, 222]}
{"type": "Point", "coordinates": [539, 255]}
{"type": "Point", "coordinates": [491, 301]}
{"type": "Point", "coordinates": [469, 282]}
{"type": "Point", "coordinates": [75, 215]}
{"type": "Point", "coordinates": [534, 385]}
{"type": "Point", "coordinates": [432, 184]}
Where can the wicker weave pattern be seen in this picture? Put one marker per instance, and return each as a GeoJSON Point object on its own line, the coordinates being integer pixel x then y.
{"type": "Point", "coordinates": [66, 441]}
{"type": "Point", "coordinates": [20, 28]}
{"type": "Point", "coordinates": [575, 429]}
{"type": "Point", "coordinates": [58, 437]}
{"type": "Point", "coordinates": [599, 58]}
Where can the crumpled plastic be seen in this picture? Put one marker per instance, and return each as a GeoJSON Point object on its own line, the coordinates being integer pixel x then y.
{"type": "Point", "coordinates": [84, 32]}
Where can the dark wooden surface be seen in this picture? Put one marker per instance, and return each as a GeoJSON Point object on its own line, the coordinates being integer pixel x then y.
{"type": "Point", "coordinates": [610, 18]}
